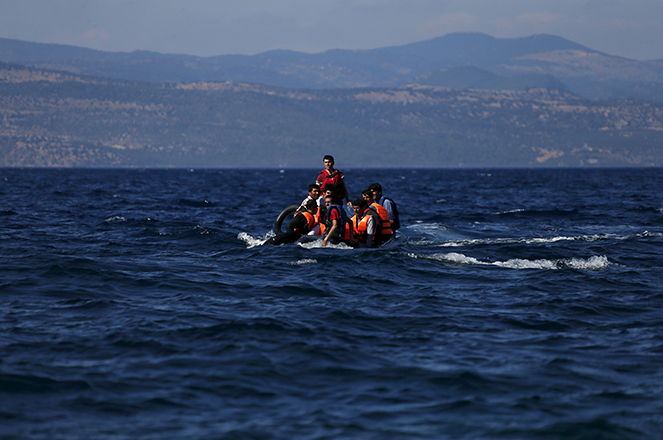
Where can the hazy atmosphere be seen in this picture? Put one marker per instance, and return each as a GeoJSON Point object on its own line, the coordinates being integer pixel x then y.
{"type": "Point", "coordinates": [629, 28]}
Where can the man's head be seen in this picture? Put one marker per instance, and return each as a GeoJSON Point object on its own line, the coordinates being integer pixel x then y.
{"type": "Point", "coordinates": [367, 194]}
{"type": "Point", "coordinates": [312, 206]}
{"type": "Point", "coordinates": [329, 200]}
{"type": "Point", "coordinates": [330, 189]}
{"type": "Point", "coordinates": [377, 190]}
{"type": "Point", "coordinates": [359, 206]}
{"type": "Point", "coordinates": [328, 160]}
{"type": "Point", "coordinates": [314, 191]}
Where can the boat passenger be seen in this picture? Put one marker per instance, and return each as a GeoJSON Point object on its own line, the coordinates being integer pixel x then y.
{"type": "Point", "coordinates": [304, 221]}
{"type": "Point", "coordinates": [330, 190]}
{"type": "Point", "coordinates": [313, 194]}
{"type": "Point", "coordinates": [386, 232]}
{"type": "Point", "coordinates": [337, 228]}
{"type": "Point", "coordinates": [301, 224]}
{"type": "Point", "coordinates": [332, 176]}
{"type": "Point", "coordinates": [366, 224]}
{"type": "Point", "coordinates": [388, 204]}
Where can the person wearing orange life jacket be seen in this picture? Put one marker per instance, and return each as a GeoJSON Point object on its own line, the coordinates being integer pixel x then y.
{"type": "Point", "coordinates": [314, 194]}
{"type": "Point", "coordinates": [301, 224]}
{"type": "Point", "coordinates": [304, 221]}
{"type": "Point", "coordinates": [366, 224]}
{"type": "Point", "coordinates": [386, 232]}
{"type": "Point", "coordinates": [337, 229]}
{"type": "Point", "coordinates": [388, 204]}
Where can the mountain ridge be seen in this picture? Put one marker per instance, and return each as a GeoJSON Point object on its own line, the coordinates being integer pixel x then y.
{"type": "Point", "coordinates": [588, 72]}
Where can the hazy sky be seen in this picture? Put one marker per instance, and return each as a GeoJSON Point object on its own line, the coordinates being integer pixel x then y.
{"type": "Point", "coordinates": [630, 28]}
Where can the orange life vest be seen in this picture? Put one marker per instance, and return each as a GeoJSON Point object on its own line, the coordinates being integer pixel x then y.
{"type": "Point", "coordinates": [384, 218]}
{"type": "Point", "coordinates": [318, 216]}
{"type": "Point", "coordinates": [311, 222]}
{"type": "Point", "coordinates": [359, 226]}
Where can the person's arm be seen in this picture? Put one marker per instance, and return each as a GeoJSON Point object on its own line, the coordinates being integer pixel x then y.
{"type": "Point", "coordinates": [370, 232]}
{"type": "Point", "coordinates": [331, 231]}
{"type": "Point", "coordinates": [390, 210]}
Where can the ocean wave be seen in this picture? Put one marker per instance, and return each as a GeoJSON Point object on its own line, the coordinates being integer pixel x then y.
{"type": "Point", "coordinates": [534, 213]}
{"type": "Point", "coordinates": [532, 240]}
{"type": "Point", "coordinates": [304, 262]}
{"type": "Point", "coordinates": [315, 244]}
{"type": "Point", "coordinates": [252, 241]}
{"type": "Point", "coordinates": [423, 234]}
{"type": "Point", "coordinates": [453, 258]}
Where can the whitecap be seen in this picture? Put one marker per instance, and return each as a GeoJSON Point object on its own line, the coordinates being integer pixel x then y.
{"type": "Point", "coordinates": [252, 241]}
{"type": "Point", "coordinates": [454, 258]}
{"type": "Point", "coordinates": [304, 262]}
{"type": "Point", "coordinates": [593, 263]}
{"type": "Point", "coordinates": [518, 263]}
{"type": "Point", "coordinates": [315, 244]}
{"type": "Point", "coordinates": [533, 240]}
{"type": "Point", "coordinates": [512, 211]}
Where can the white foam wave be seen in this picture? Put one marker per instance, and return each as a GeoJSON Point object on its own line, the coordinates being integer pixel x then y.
{"type": "Point", "coordinates": [511, 211]}
{"type": "Point", "coordinates": [252, 241]}
{"type": "Point", "coordinates": [315, 244]}
{"type": "Point", "coordinates": [534, 240]}
{"type": "Point", "coordinates": [304, 262]}
{"type": "Point", "coordinates": [517, 263]}
{"type": "Point", "coordinates": [115, 218]}
{"type": "Point", "coordinates": [593, 263]}
{"type": "Point", "coordinates": [454, 258]}
{"type": "Point", "coordinates": [650, 234]}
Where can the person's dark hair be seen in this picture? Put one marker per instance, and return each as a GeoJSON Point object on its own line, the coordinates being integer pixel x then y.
{"type": "Point", "coordinates": [312, 204]}
{"type": "Point", "coordinates": [330, 187]}
{"type": "Point", "coordinates": [367, 192]}
{"type": "Point", "coordinates": [360, 202]}
{"type": "Point", "coordinates": [329, 157]}
{"type": "Point", "coordinates": [313, 186]}
{"type": "Point", "coordinates": [376, 186]}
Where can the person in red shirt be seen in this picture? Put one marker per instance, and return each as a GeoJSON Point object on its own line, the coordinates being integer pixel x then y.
{"type": "Point", "coordinates": [330, 175]}
{"type": "Point", "coordinates": [337, 228]}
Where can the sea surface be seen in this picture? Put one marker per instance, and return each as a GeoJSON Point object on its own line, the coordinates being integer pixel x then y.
{"type": "Point", "coordinates": [517, 304]}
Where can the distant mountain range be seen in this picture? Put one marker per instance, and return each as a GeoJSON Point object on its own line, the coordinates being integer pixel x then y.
{"type": "Point", "coordinates": [461, 60]}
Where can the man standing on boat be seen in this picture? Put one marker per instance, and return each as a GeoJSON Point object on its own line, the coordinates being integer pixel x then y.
{"type": "Point", "coordinates": [330, 175]}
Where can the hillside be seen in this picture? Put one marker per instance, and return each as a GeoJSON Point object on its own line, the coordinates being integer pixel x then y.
{"type": "Point", "coordinates": [582, 70]}
{"type": "Point", "coordinates": [468, 77]}
{"type": "Point", "coordinates": [50, 118]}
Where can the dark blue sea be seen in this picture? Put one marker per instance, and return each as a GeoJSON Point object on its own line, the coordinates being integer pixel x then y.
{"type": "Point", "coordinates": [516, 304]}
